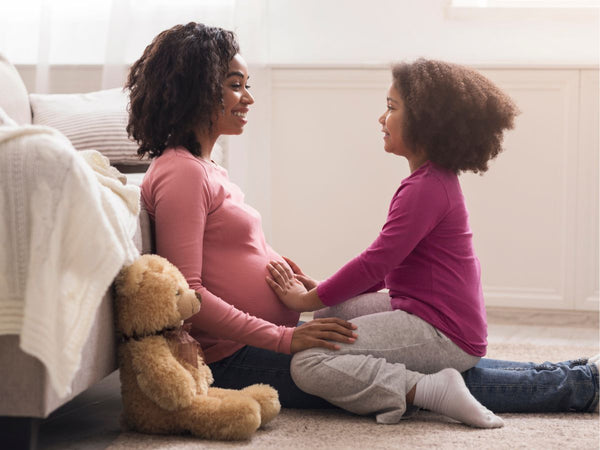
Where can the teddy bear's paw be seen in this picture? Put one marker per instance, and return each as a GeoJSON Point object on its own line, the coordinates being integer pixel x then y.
{"type": "Point", "coordinates": [267, 398]}
{"type": "Point", "coordinates": [234, 417]}
{"type": "Point", "coordinates": [176, 394]}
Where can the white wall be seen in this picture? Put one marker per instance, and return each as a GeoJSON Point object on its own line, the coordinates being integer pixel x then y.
{"type": "Point", "coordinates": [378, 31]}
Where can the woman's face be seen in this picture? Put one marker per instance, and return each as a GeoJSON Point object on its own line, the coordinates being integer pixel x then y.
{"type": "Point", "coordinates": [236, 99]}
{"type": "Point", "coordinates": [392, 122]}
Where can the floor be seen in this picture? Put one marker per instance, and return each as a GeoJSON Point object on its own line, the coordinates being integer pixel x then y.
{"type": "Point", "coordinates": [91, 420]}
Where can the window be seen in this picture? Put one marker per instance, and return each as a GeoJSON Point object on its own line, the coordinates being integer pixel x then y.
{"type": "Point", "coordinates": [526, 3]}
{"type": "Point", "coordinates": [95, 31]}
{"type": "Point", "coordinates": [577, 11]}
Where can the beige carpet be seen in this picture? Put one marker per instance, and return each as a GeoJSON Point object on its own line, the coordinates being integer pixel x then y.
{"type": "Point", "coordinates": [310, 429]}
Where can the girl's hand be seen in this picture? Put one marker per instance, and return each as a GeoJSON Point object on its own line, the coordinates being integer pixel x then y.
{"type": "Point", "coordinates": [291, 291]}
{"type": "Point", "coordinates": [319, 333]}
{"type": "Point", "coordinates": [308, 282]}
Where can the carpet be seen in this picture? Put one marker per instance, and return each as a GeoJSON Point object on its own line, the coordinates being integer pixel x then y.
{"type": "Point", "coordinates": [335, 429]}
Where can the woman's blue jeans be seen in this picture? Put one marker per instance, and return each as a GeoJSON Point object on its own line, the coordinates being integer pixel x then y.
{"type": "Point", "coordinates": [250, 365]}
{"type": "Point", "coordinates": [501, 386]}
{"type": "Point", "coordinates": [508, 386]}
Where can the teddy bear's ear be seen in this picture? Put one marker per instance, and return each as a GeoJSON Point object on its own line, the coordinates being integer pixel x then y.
{"type": "Point", "coordinates": [145, 296]}
{"type": "Point", "coordinates": [157, 263]}
{"type": "Point", "coordinates": [161, 265]}
{"type": "Point", "coordinates": [129, 277]}
{"type": "Point", "coordinates": [126, 285]}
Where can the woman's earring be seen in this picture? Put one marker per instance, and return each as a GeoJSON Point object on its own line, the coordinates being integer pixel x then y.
{"type": "Point", "coordinates": [222, 106]}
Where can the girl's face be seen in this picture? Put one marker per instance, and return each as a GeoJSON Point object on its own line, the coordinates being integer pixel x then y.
{"type": "Point", "coordinates": [236, 99]}
{"type": "Point", "coordinates": [392, 122]}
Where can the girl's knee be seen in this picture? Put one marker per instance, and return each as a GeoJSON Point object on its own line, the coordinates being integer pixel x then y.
{"type": "Point", "coordinates": [302, 367]}
{"type": "Point", "coordinates": [468, 362]}
{"type": "Point", "coordinates": [322, 313]}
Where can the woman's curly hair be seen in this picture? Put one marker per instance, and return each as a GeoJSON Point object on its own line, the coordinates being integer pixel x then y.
{"type": "Point", "coordinates": [176, 86]}
{"type": "Point", "coordinates": [452, 113]}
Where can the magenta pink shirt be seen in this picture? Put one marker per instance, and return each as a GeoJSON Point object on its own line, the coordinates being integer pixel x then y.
{"type": "Point", "coordinates": [424, 255]}
{"type": "Point", "coordinates": [203, 226]}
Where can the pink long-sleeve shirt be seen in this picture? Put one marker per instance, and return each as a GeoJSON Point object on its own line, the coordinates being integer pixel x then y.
{"type": "Point", "coordinates": [424, 255]}
{"type": "Point", "coordinates": [203, 226]}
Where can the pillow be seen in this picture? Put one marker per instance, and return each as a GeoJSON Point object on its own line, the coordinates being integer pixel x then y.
{"type": "Point", "coordinates": [5, 119]}
{"type": "Point", "coordinates": [13, 93]}
{"type": "Point", "coordinates": [91, 121]}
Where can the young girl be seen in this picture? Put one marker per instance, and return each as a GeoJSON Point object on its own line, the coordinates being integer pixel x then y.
{"type": "Point", "coordinates": [444, 119]}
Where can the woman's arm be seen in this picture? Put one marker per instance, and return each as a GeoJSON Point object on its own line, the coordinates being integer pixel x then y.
{"type": "Point", "coordinates": [183, 199]}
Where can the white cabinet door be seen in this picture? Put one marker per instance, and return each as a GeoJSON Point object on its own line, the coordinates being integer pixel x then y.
{"type": "Point", "coordinates": [587, 195]}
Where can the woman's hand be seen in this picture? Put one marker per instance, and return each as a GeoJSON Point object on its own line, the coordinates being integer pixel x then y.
{"type": "Point", "coordinates": [291, 291]}
{"type": "Point", "coordinates": [308, 282]}
{"type": "Point", "coordinates": [319, 333]}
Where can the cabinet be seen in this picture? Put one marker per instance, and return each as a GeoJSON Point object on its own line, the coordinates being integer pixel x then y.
{"type": "Point", "coordinates": [534, 214]}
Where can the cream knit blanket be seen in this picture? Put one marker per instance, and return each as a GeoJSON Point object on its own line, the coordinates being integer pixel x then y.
{"type": "Point", "coordinates": [66, 228]}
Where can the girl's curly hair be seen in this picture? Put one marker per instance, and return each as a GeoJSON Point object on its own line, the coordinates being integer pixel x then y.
{"type": "Point", "coordinates": [176, 86]}
{"type": "Point", "coordinates": [453, 113]}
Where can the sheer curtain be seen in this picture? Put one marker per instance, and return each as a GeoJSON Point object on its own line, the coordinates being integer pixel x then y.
{"type": "Point", "coordinates": [113, 33]}
{"type": "Point", "coordinates": [109, 35]}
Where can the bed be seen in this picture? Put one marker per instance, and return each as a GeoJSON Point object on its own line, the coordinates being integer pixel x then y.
{"type": "Point", "coordinates": [94, 120]}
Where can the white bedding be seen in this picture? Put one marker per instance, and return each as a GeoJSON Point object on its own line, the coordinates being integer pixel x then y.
{"type": "Point", "coordinates": [66, 228]}
{"type": "Point", "coordinates": [135, 178]}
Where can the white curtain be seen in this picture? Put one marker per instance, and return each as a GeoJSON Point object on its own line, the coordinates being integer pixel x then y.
{"type": "Point", "coordinates": [113, 33]}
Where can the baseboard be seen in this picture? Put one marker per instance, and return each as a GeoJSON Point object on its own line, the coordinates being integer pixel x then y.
{"type": "Point", "coordinates": [541, 317]}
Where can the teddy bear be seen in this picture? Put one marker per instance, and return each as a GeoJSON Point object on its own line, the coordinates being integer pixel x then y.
{"type": "Point", "coordinates": [165, 383]}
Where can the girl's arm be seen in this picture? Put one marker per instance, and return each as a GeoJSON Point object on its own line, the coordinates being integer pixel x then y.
{"type": "Point", "coordinates": [414, 212]}
{"type": "Point", "coordinates": [416, 209]}
{"type": "Point", "coordinates": [291, 291]}
{"type": "Point", "coordinates": [310, 283]}
{"type": "Point", "coordinates": [307, 281]}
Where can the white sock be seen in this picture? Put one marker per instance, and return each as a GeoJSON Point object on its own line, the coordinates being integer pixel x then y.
{"type": "Point", "coordinates": [445, 392]}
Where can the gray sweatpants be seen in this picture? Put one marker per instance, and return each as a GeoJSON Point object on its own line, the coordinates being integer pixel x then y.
{"type": "Point", "coordinates": [393, 351]}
